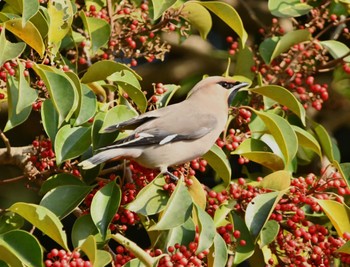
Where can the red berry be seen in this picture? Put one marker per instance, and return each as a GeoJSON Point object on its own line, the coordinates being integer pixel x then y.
{"type": "Point", "coordinates": [333, 17]}
{"type": "Point", "coordinates": [144, 7]}
{"type": "Point", "coordinates": [242, 242]}
{"type": "Point", "coordinates": [92, 8]}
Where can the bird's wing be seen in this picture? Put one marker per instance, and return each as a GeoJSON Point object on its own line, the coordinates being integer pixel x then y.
{"type": "Point", "coordinates": [163, 130]}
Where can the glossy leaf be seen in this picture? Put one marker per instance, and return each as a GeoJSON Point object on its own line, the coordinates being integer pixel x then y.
{"type": "Point", "coordinates": [90, 249]}
{"type": "Point", "coordinates": [305, 139]}
{"type": "Point", "coordinates": [151, 199]}
{"type": "Point", "coordinates": [222, 212]}
{"type": "Point", "coordinates": [9, 50]}
{"type": "Point", "coordinates": [100, 139]}
{"type": "Point", "coordinates": [197, 192]}
{"type": "Point", "coordinates": [50, 119]}
{"type": "Point", "coordinates": [14, 119]}
{"type": "Point", "coordinates": [259, 210]}
{"type": "Point", "coordinates": [40, 22]}
{"type": "Point", "coordinates": [257, 151]}
{"type": "Point", "coordinates": [103, 258]}
{"type": "Point", "coordinates": [87, 105]}
{"type": "Point", "coordinates": [228, 15]}
{"type": "Point", "coordinates": [99, 31]}
{"type": "Point", "coordinates": [71, 142]}
{"type": "Point", "coordinates": [117, 115]}
{"type": "Point", "coordinates": [8, 259]}
{"type": "Point", "coordinates": [28, 33]}
{"type": "Point", "coordinates": [59, 180]}
{"type": "Point", "coordinates": [24, 246]}
{"type": "Point", "coordinates": [165, 98]}
{"type": "Point", "coordinates": [218, 255]}
{"type": "Point", "coordinates": [242, 252]}
{"type": "Point", "coordinates": [283, 97]}
{"type": "Point", "coordinates": [269, 232]}
{"type": "Point", "coordinates": [325, 141]}
{"type": "Point", "coordinates": [182, 234]}
{"type": "Point", "coordinates": [282, 132]}
{"type": "Point", "coordinates": [28, 8]}
{"type": "Point", "coordinates": [26, 94]}
{"type": "Point", "coordinates": [159, 7]}
{"type": "Point", "coordinates": [129, 83]}
{"type": "Point", "coordinates": [344, 248]}
{"type": "Point", "coordinates": [61, 15]}
{"type": "Point", "coordinates": [60, 87]}
{"type": "Point", "coordinates": [198, 17]}
{"type": "Point", "coordinates": [245, 61]}
{"type": "Point", "coordinates": [337, 49]}
{"type": "Point", "coordinates": [102, 69]}
{"type": "Point", "coordinates": [43, 219]}
{"type": "Point", "coordinates": [207, 229]}
{"type": "Point", "coordinates": [288, 8]}
{"type": "Point", "coordinates": [177, 210]}
{"type": "Point", "coordinates": [217, 159]}
{"type": "Point", "coordinates": [344, 169]}
{"type": "Point", "coordinates": [83, 227]}
{"type": "Point", "coordinates": [10, 221]}
{"type": "Point", "coordinates": [338, 214]}
{"type": "Point", "coordinates": [278, 180]}
{"type": "Point", "coordinates": [69, 197]}
{"type": "Point", "coordinates": [273, 47]}
{"type": "Point", "coordinates": [104, 206]}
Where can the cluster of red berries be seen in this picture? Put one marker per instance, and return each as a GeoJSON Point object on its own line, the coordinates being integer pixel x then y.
{"type": "Point", "coordinates": [42, 156]}
{"type": "Point", "coordinates": [231, 235]}
{"type": "Point", "coordinates": [234, 45]}
{"type": "Point", "coordinates": [62, 258]}
{"type": "Point", "coordinates": [101, 14]}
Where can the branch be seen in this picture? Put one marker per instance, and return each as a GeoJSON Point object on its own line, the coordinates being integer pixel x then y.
{"type": "Point", "coordinates": [6, 141]}
{"type": "Point", "coordinates": [17, 156]}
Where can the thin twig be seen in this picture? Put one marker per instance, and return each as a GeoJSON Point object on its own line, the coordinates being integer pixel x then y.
{"type": "Point", "coordinates": [7, 142]}
{"type": "Point", "coordinates": [13, 180]}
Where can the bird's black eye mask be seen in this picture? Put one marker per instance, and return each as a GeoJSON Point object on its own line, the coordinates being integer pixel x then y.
{"type": "Point", "coordinates": [228, 85]}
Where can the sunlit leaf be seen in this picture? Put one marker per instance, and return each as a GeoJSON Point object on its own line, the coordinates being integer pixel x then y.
{"type": "Point", "coordinates": [197, 192]}
{"type": "Point", "coordinates": [337, 49]}
{"type": "Point", "coordinates": [28, 33]}
{"type": "Point", "coordinates": [9, 50]}
{"type": "Point", "coordinates": [207, 229]}
{"type": "Point", "coordinates": [87, 105]}
{"type": "Point", "coordinates": [59, 180]}
{"type": "Point", "coordinates": [43, 219]}
{"type": "Point", "coordinates": [83, 227]}
{"type": "Point", "coordinates": [10, 221]}
{"type": "Point", "coordinates": [269, 232]}
{"type": "Point", "coordinates": [218, 255]}
{"type": "Point", "coordinates": [278, 180]}
{"type": "Point", "coordinates": [338, 214]}
{"type": "Point", "coordinates": [50, 119]}
{"type": "Point", "coordinates": [288, 8]}
{"type": "Point", "coordinates": [160, 6]}
{"type": "Point", "coordinates": [305, 139]}
{"type": "Point", "coordinates": [26, 94]}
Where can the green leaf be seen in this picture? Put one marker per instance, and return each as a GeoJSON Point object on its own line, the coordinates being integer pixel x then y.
{"type": "Point", "coordinates": [257, 151]}
{"type": "Point", "coordinates": [344, 248]}
{"type": "Point", "coordinates": [282, 132]}
{"type": "Point", "coordinates": [159, 7]}
{"type": "Point", "coordinates": [288, 8]}
{"type": "Point", "coordinates": [102, 69]}
{"type": "Point", "coordinates": [305, 139]}
{"type": "Point", "coordinates": [228, 15]}
{"type": "Point", "coordinates": [222, 212]}
{"type": "Point", "coordinates": [242, 252]}
{"type": "Point", "coordinates": [90, 249]}
{"type": "Point", "coordinates": [259, 210]}
{"type": "Point", "coordinates": [50, 119]}
{"type": "Point", "coordinates": [14, 118]}
{"type": "Point", "coordinates": [344, 169]}
{"type": "Point", "coordinates": [28, 8]}
{"type": "Point", "coordinates": [71, 142]}
{"type": "Point", "coordinates": [218, 254]}
{"type": "Point", "coordinates": [9, 50]}
{"type": "Point", "coordinates": [61, 15]}
{"type": "Point", "coordinates": [43, 219]}
{"type": "Point", "coordinates": [28, 250]}
{"type": "Point", "coordinates": [83, 227]}
{"type": "Point", "coordinates": [40, 22]}
{"type": "Point", "coordinates": [26, 94]}
{"type": "Point", "coordinates": [10, 221]}
{"type": "Point", "coordinates": [60, 86]}
{"type": "Point", "coordinates": [283, 97]}
{"type": "Point", "coordinates": [198, 17]}
{"type": "Point", "coordinates": [282, 44]}
{"type": "Point", "coordinates": [278, 180]}
{"type": "Point", "coordinates": [182, 234]}
{"type": "Point", "coordinates": [217, 159]}
{"type": "Point", "coordinates": [197, 193]}
{"type": "Point", "coordinates": [99, 31]}
{"type": "Point", "coordinates": [325, 141]}
{"type": "Point", "coordinates": [100, 139]}
{"type": "Point", "coordinates": [337, 49]}
{"type": "Point", "coordinates": [59, 180]}
{"type": "Point", "coordinates": [68, 197]}
{"type": "Point", "coordinates": [104, 206]}
{"type": "Point", "coordinates": [151, 199]}
{"type": "Point", "coordinates": [28, 33]}
{"type": "Point", "coordinates": [87, 105]}
{"type": "Point", "coordinates": [177, 211]}
{"type": "Point", "coordinates": [337, 213]}
{"type": "Point", "coordinates": [129, 83]}
{"type": "Point", "coordinates": [8, 259]}
{"type": "Point", "coordinates": [245, 61]}
{"type": "Point", "coordinates": [103, 258]}
{"type": "Point", "coordinates": [165, 98]}
{"type": "Point", "coordinates": [269, 233]}
{"type": "Point", "coordinates": [207, 229]}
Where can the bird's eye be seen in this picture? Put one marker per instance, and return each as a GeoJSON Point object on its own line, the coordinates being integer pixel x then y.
{"type": "Point", "coordinates": [226, 85]}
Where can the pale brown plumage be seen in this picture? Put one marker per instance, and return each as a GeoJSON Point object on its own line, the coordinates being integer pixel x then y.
{"type": "Point", "coordinates": [177, 133]}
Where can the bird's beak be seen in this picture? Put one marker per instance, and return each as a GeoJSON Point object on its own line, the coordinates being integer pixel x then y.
{"type": "Point", "coordinates": [235, 89]}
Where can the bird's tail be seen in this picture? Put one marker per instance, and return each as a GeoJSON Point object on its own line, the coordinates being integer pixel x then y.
{"type": "Point", "coordinates": [107, 155]}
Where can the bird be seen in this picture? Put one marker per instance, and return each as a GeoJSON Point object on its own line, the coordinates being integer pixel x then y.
{"type": "Point", "coordinates": [175, 134]}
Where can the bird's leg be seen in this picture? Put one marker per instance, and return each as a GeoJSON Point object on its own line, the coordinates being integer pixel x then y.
{"type": "Point", "coordinates": [172, 176]}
